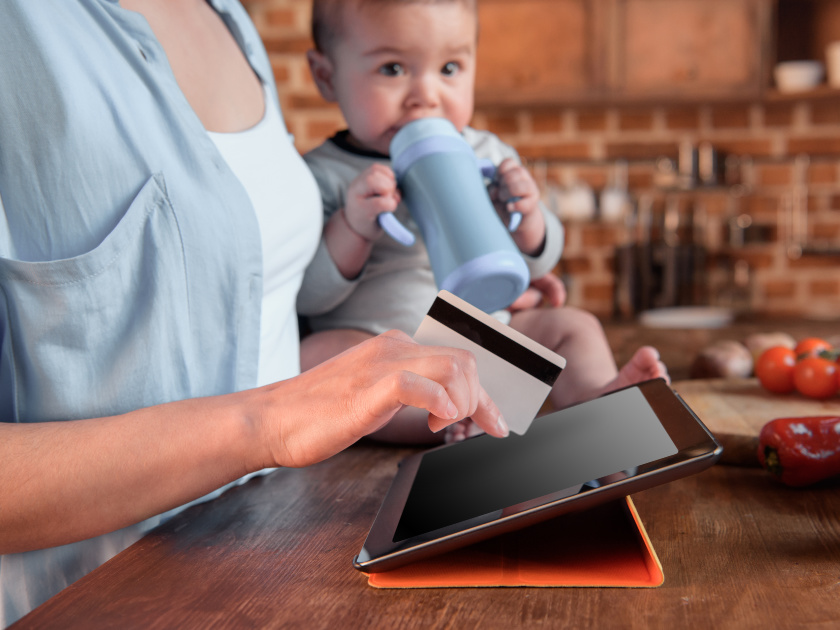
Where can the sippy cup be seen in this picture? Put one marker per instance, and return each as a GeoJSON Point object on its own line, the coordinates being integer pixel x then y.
{"type": "Point", "coordinates": [471, 252]}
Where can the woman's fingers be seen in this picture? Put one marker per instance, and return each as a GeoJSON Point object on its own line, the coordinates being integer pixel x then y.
{"type": "Point", "coordinates": [443, 381]}
{"type": "Point", "coordinates": [315, 415]}
{"type": "Point", "coordinates": [488, 417]}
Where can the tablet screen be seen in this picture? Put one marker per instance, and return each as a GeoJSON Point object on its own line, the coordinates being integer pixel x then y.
{"type": "Point", "coordinates": [565, 450]}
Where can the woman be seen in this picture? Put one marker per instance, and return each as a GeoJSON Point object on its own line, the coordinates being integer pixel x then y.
{"type": "Point", "coordinates": [148, 275]}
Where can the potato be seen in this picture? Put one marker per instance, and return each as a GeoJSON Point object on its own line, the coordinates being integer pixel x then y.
{"type": "Point", "coordinates": [723, 359]}
{"type": "Point", "coordinates": [759, 342]}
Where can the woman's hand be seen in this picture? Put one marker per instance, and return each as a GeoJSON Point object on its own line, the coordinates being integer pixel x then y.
{"type": "Point", "coordinates": [317, 414]}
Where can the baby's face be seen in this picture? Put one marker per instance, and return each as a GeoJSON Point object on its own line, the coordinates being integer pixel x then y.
{"type": "Point", "coordinates": [397, 63]}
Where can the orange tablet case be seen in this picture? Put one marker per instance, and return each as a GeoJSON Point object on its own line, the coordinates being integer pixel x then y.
{"type": "Point", "coordinates": [603, 546]}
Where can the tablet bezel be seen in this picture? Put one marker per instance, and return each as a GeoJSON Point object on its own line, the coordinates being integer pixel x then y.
{"type": "Point", "coordinates": [697, 450]}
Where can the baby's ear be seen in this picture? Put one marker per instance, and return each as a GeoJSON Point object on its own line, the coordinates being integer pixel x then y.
{"type": "Point", "coordinates": [321, 69]}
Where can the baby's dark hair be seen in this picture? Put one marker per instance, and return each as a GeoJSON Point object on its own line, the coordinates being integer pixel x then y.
{"type": "Point", "coordinates": [327, 16]}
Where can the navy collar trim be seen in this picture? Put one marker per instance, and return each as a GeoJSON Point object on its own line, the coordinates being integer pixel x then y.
{"type": "Point", "coordinates": [342, 141]}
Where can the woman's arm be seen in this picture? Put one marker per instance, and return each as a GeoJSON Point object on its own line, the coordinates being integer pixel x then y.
{"type": "Point", "coordinates": [66, 481]}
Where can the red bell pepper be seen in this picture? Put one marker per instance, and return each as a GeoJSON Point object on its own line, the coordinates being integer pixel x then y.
{"type": "Point", "coordinates": [801, 451]}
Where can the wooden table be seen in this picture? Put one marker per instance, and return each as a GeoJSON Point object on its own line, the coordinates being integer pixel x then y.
{"type": "Point", "coordinates": [738, 551]}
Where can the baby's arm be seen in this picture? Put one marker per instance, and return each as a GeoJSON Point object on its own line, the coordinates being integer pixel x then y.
{"type": "Point", "coordinates": [350, 232]}
{"type": "Point", "coordinates": [518, 191]}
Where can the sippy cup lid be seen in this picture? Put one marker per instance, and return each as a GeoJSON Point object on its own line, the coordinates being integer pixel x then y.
{"type": "Point", "coordinates": [423, 137]}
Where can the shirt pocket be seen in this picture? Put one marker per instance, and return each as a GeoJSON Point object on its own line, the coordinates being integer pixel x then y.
{"type": "Point", "coordinates": [103, 332]}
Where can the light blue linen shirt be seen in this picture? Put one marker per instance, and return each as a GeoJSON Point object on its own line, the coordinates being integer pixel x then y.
{"type": "Point", "coordinates": [130, 257]}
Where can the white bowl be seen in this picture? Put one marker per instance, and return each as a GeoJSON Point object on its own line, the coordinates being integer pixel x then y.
{"type": "Point", "coordinates": [796, 76]}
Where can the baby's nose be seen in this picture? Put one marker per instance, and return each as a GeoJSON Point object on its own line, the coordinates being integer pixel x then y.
{"type": "Point", "coordinates": [424, 93]}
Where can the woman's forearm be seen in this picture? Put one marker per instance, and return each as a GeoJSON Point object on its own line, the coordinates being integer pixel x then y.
{"type": "Point", "coordinates": [66, 481]}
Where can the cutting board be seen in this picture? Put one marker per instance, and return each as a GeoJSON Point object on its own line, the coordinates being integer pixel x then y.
{"type": "Point", "coordinates": [735, 409]}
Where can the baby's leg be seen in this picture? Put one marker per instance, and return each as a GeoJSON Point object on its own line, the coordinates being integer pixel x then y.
{"type": "Point", "coordinates": [579, 337]}
{"type": "Point", "coordinates": [408, 426]}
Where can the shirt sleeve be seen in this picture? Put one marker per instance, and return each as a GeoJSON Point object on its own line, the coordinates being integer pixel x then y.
{"type": "Point", "coordinates": [545, 262]}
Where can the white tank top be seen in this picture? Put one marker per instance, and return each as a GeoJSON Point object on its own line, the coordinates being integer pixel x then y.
{"type": "Point", "coordinates": [288, 207]}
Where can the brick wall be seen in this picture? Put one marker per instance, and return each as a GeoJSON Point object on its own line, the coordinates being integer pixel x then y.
{"type": "Point", "coordinates": [771, 236]}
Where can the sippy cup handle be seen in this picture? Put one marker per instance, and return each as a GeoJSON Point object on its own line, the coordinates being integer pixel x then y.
{"type": "Point", "coordinates": [396, 230]}
{"type": "Point", "coordinates": [488, 169]}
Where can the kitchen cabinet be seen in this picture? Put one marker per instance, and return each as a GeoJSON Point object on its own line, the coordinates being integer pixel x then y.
{"type": "Point", "coordinates": [689, 48]}
{"type": "Point", "coordinates": [570, 51]}
{"type": "Point", "coordinates": [541, 50]}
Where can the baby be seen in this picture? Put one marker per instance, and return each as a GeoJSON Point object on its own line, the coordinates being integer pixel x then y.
{"type": "Point", "coordinates": [386, 63]}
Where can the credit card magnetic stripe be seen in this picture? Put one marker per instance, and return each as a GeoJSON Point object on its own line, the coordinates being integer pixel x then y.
{"type": "Point", "coordinates": [493, 341]}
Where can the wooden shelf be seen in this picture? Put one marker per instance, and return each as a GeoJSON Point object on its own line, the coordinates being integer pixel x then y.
{"type": "Point", "coordinates": [821, 92]}
{"type": "Point", "coordinates": [548, 100]}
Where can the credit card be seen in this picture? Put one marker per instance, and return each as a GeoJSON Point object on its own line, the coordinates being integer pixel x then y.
{"type": "Point", "coordinates": [515, 370]}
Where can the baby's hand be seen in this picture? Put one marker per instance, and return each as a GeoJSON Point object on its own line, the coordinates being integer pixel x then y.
{"type": "Point", "coordinates": [516, 188]}
{"type": "Point", "coordinates": [518, 191]}
{"type": "Point", "coordinates": [547, 289]}
{"type": "Point", "coordinates": [374, 191]}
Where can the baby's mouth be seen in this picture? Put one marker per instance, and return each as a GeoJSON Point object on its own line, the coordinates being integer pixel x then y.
{"type": "Point", "coordinates": [392, 131]}
{"type": "Point", "coordinates": [388, 136]}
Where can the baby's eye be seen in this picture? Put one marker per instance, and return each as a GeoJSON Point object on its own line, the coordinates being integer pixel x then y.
{"type": "Point", "coordinates": [391, 69]}
{"type": "Point", "coordinates": [450, 68]}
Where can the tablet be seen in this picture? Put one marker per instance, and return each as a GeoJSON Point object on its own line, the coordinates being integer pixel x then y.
{"type": "Point", "coordinates": [610, 447]}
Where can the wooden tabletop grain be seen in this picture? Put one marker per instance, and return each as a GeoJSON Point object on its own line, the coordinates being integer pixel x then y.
{"type": "Point", "coordinates": [738, 551]}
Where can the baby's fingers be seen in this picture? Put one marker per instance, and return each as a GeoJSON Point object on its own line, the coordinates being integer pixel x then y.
{"type": "Point", "coordinates": [379, 180]}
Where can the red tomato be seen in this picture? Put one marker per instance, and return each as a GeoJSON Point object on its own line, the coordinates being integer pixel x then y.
{"type": "Point", "coordinates": [815, 377]}
{"type": "Point", "coordinates": [811, 346]}
{"type": "Point", "coordinates": [774, 369]}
